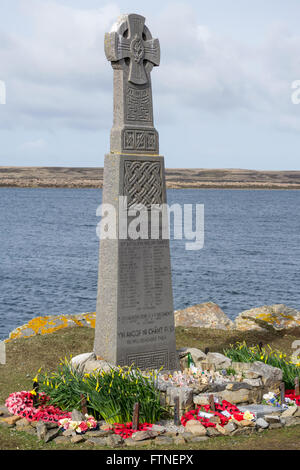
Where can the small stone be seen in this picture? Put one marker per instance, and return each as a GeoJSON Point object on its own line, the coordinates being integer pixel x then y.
{"type": "Point", "coordinates": [196, 428]}
{"type": "Point", "coordinates": [141, 435]}
{"type": "Point", "coordinates": [69, 433]}
{"type": "Point", "coordinates": [76, 439]}
{"type": "Point", "coordinates": [291, 421]}
{"type": "Point", "coordinates": [22, 422]}
{"type": "Point", "coordinates": [129, 442]}
{"type": "Point", "coordinates": [97, 441]}
{"type": "Point", "coordinates": [115, 440]}
{"type": "Point", "coordinates": [221, 430]}
{"type": "Point", "coordinates": [262, 423]}
{"type": "Point", "coordinates": [247, 422]}
{"type": "Point", "coordinates": [52, 434]}
{"type": "Point", "coordinates": [272, 419]}
{"type": "Point", "coordinates": [275, 426]}
{"type": "Point", "coordinates": [163, 440]}
{"type": "Point", "coordinates": [212, 432]}
{"type": "Point", "coordinates": [230, 427]}
{"type": "Point", "coordinates": [289, 412]}
{"type": "Point", "coordinates": [12, 419]}
{"type": "Point", "coordinates": [107, 427]}
{"type": "Point", "coordinates": [99, 433]}
{"type": "Point", "coordinates": [199, 438]}
{"type": "Point", "coordinates": [61, 440]}
{"type": "Point", "coordinates": [158, 428]}
{"type": "Point", "coordinates": [77, 416]}
{"type": "Point", "coordinates": [4, 412]}
{"type": "Point", "coordinates": [41, 430]}
{"type": "Point", "coordinates": [179, 440]}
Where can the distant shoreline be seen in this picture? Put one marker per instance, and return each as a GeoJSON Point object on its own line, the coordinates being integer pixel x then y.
{"type": "Point", "coordinates": [67, 177]}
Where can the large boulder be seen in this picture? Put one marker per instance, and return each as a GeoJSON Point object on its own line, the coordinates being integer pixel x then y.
{"type": "Point", "coordinates": [206, 315]}
{"type": "Point", "coordinates": [268, 317]}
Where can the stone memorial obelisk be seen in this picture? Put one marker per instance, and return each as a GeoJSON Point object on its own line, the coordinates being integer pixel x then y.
{"type": "Point", "coordinates": [135, 316]}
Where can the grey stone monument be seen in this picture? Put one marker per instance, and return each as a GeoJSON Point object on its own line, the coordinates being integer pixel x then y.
{"type": "Point", "coordinates": [135, 317]}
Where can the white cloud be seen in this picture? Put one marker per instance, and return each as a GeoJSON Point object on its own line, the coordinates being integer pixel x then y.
{"type": "Point", "coordinates": [33, 145]}
{"type": "Point", "coordinates": [58, 76]}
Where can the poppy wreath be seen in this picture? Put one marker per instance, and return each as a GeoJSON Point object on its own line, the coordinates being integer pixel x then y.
{"type": "Point", "coordinates": [291, 394]}
{"type": "Point", "coordinates": [225, 406]}
{"type": "Point", "coordinates": [21, 404]}
{"type": "Point", "coordinates": [125, 430]}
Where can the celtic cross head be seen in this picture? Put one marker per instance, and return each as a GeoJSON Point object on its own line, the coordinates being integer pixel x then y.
{"type": "Point", "coordinates": [131, 40]}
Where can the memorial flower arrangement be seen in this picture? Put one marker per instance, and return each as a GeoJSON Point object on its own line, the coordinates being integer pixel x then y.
{"type": "Point", "coordinates": [224, 411]}
{"type": "Point", "coordinates": [273, 399]}
{"type": "Point", "coordinates": [78, 426]}
{"type": "Point", "coordinates": [125, 430]}
{"type": "Point", "coordinates": [22, 404]}
{"type": "Point", "coordinates": [110, 395]}
{"type": "Point", "coordinates": [240, 352]}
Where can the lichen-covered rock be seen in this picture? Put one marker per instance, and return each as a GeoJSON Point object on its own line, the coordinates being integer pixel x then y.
{"type": "Point", "coordinates": [185, 395]}
{"type": "Point", "coordinates": [268, 317]}
{"type": "Point", "coordinates": [206, 315]}
{"type": "Point", "coordinates": [50, 323]}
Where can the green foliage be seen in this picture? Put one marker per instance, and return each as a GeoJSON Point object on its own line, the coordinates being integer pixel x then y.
{"type": "Point", "coordinates": [110, 395]}
{"type": "Point", "coordinates": [240, 352]}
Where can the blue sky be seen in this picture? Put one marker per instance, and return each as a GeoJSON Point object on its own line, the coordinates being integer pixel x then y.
{"type": "Point", "coordinates": [222, 94]}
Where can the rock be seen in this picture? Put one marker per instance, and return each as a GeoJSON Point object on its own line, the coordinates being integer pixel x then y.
{"type": "Point", "coordinates": [253, 382]}
{"type": "Point", "coordinates": [163, 440]}
{"type": "Point", "coordinates": [129, 442]}
{"type": "Point", "coordinates": [97, 441]}
{"type": "Point", "coordinates": [97, 365]}
{"type": "Point", "coordinates": [262, 423]}
{"type": "Point", "coordinates": [98, 433]}
{"type": "Point", "coordinates": [195, 427]}
{"type": "Point", "coordinates": [21, 423]}
{"type": "Point", "coordinates": [142, 435]}
{"type": "Point", "coordinates": [219, 360]}
{"type": "Point", "coordinates": [76, 439]}
{"type": "Point", "coordinates": [271, 376]}
{"type": "Point", "coordinates": [79, 361]}
{"type": "Point", "coordinates": [69, 433]}
{"type": "Point", "coordinates": [4, 412]}
{"type": "Point", "coordinates": [289, 412]}
{"type": "Point", "coordinates": [230, 427]}
{"type": "Point", "coordinates": [77, 416]}
{"type": "Point", "coordinates": [212, 432]}
{"type": "Point", "coordinates": [179, 440]}
{"type": "Point", "coordinates": [158, 428]}
{"type": "Point", "coordinates": [51, 434]}
{"type": "Point", "coordinates": [196, 354]}
{"type": "Point", "coordinates": [114, 440]}
{"type": "Point", "coordinates": [274, 317]}
{"type": "Point", "coordinates": [199, 438]}
{"type": "Point", "coordinates": [41, 430]}
{"type": "Point", "coordinates": [275, 426]}
{"type": "Point", "coordinates": [11, 420]}
{"type": "Point", "coordinates": [201, 399]}
{"type": "Point", "coordinates": [206, 315]}
{"type": "Point", "coordinates": [61, 440]}
{"type": "Point", "coordinates": [238, 396]}
{"type": "Point", "coordinates": [291, 421]}
{"type": "Point", "coordinates": [271, 419]}
{"type": "Point", "coordinates": [222, 430]}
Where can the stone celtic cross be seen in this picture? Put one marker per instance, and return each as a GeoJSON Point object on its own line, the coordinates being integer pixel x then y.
{"type": "Point", "coordinates": [133, 54]}
{"type": "Point", "coordinates": [135, 316]}
{"type": "Point", "coordinates": [131, 39]}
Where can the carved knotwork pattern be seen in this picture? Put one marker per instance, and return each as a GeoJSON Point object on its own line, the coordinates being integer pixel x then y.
{"type": "Point", "coordinates": [143, 183]}
{"type": "Point", "coordinates": [138, 105]}
{"type": "Point", "coordinates": [149, 360]}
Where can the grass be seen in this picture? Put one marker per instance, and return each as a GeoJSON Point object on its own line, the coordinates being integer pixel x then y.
{"type": "Point", "coordinates": [26, 356]}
